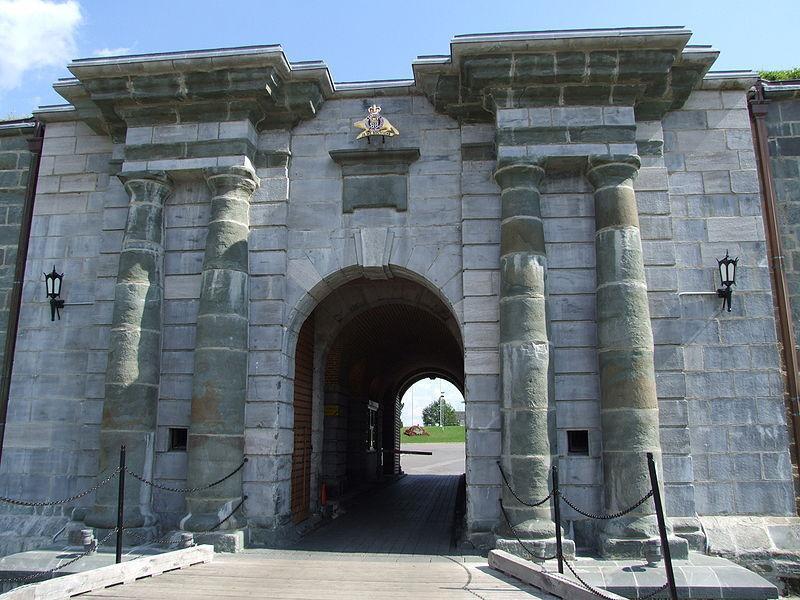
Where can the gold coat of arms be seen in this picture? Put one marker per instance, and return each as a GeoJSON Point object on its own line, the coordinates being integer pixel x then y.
{"type": "Point", "coordinates": [375, 124]}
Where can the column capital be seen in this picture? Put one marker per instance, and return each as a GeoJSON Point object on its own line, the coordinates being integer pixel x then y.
{"type": "Point", "coordinates": [147, 184]}
{"type": "Point", "coordinates": [237, 177]}
{"type": "Point", "coordinates": [612, 169]}
{"type": "Point", "coordinates": [519, 172]}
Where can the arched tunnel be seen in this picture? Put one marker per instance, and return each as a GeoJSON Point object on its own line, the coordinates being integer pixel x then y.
{"type": "Point", "coordinates": [357, 352]}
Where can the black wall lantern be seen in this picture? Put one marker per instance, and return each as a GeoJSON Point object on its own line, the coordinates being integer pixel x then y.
{"type": "Point", "coordinates": [727, 275]}
{"type": "Point", "coordinates": [53, 281]}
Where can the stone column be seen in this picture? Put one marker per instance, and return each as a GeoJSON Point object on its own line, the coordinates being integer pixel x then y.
{"type": "Point", "coordinates": [628, 402]}
{"type": "Point", "coordinates": [134, 358]}
{"type": "Point", "coordinates": [528, 414]}
{"type": "Point", "coordinates": [216, 433]}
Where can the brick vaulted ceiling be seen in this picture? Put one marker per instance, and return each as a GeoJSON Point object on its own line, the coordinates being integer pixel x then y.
{"type": "Point", "coordinates": [378, 350]}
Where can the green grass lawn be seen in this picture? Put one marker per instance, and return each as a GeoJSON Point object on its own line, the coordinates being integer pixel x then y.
{"type": "Point", "coordinates": [438, 435]}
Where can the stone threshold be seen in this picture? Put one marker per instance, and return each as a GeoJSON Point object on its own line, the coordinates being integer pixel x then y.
{"type": "Point", "coordinates": [702, 577]}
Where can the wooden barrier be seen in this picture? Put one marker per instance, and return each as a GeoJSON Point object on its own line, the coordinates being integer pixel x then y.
{"type": "Point", "coordinates": [532, 574]}
{"type": "Point", "coordinates": [125, 572]}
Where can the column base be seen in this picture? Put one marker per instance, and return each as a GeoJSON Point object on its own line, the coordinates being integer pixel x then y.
{"type": "Point", "coordinates": [618, 548]}
{"type": "Point", "coordinates": [200, 522]}
{"type": "Point", "coordinates": [541, 549]}
{"type": "Point", "coordinates": [689, 528]}
{"type": "Point", "coordinates": [223, 541]}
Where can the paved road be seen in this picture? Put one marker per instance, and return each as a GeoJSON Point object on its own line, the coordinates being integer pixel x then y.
{"type": "Point", "coordinates": [412, 516]}
{"type": "Point", "coordinates": [447, 459]}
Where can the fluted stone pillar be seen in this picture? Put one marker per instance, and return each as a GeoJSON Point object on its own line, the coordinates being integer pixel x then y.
{"type": "Point", "coordinates": [134, 358]}
{"type": "Point", "coordinates": [528, 415]}
{"type": "Point", "coordinates": [216, 433]}
{"type": "Point", "coordinates": [628, 401]}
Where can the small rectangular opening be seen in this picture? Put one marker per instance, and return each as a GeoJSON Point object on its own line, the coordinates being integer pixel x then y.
{"type": "Point", "coordinates": [178, 436]}
{"type": "Point", "coordinates": [578, 442]}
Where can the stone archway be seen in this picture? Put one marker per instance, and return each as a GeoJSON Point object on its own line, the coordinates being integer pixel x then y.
{"type": "Point", "coordinates": [370, 339]}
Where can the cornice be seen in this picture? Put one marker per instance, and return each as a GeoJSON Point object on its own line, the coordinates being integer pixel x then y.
{"type": "Point", "coordinates": [651, 69]}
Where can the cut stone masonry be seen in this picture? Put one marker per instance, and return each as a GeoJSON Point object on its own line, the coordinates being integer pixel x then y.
{"type": "Point", "coordinates": [553, 208]}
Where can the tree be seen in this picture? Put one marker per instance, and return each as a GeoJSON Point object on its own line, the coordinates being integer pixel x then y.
{"type": "Point", "coordinates": [781, 74]}
{"type": "Point", "coordinates": [430, 414]}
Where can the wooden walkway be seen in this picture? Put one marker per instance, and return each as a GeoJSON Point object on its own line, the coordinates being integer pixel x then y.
{"type": "Point", "coordinates": [394, 543]}
{"type": "Point", "coordinates": [254, 576]}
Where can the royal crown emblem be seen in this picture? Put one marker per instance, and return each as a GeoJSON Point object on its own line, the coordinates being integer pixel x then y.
{"type": "Point", "coordinates": [375, 124]}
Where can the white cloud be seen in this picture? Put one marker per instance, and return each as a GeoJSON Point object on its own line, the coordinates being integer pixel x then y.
{"type": "Point", "coordinates": [422, 393]}
{"type": "Point", "coordinates": [112, 51]}
{"type": "Point", "coordinates": [35, 34]}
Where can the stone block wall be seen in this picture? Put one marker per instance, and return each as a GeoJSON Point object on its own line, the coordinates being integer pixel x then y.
{"type": "Point", "coordinates": [720, 380]}
{"type": "Point", "coordinates": [783, 130]}
{"type": "Point", "coordinates": [15, 165]}
{"type": "Point", "coordinates": [480, 223]}
{"type": "Point", "coordinates": [185, 227]}
{"type": "Point", "coordinates": [51, 440]}
{"type": "Point", "coordinates": [723, 431]}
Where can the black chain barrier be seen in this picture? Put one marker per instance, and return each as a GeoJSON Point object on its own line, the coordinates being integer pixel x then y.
{"type": "Point", "coordinates": [597, 593]}
{"type": "Point", "coordinates": [185, 490]}
{"type": "Point", "coordinates": [615, 515]}
{"type": "Point", "coordinates": [557, 495]}
{"type": "Point", "coordinates": [600, 594]}
{"type": "Point", "coordinates": [42, 574]}
{"type": "Point", "coordinates": [516, 497]}
{"type": "Point", "coordinates": [145, 542]}
{"type": "Point", "coordinates": [168, 538]}
{"type": "Point", "coordinates": [521, 543]}
{"type": "Point", "coordinates": [77, 496]}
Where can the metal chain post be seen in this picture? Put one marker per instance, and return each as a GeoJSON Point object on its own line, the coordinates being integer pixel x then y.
{"type": "Point", "coordinates": [120, 502]}
{"type": "Point", "coordinates": [556, 494]}
{"type": "Point", "coordinates": [557, 516]}
{"type": "Point", "coordinates": [662, 527]}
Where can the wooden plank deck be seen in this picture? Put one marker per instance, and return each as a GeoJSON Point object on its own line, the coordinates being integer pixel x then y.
{"type": "Point", "coordinates": [257, 576]}
{"type": "Point", "coordinates": [395, 543]}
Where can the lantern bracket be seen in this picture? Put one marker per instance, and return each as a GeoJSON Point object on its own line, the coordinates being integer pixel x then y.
{"type": "Point", "coordinates": [53, 282]}
{"type": "Point", "coordinates": [726, 293]}
{"type": "Point", "coordinates": [727, 273]}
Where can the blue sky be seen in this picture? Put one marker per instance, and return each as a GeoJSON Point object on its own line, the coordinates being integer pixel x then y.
{"type": "Point", "coordinates": [358, 40]}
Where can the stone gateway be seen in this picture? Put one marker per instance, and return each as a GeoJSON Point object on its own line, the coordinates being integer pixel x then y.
{"type": "Point", "coordinates": [535, 217]}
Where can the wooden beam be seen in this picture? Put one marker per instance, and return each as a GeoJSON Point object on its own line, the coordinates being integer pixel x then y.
{"type": "Point", "coordinates": [125, 572]}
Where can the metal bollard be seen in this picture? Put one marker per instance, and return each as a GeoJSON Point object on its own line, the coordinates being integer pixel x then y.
{"type": "Point", "coordinates": [652, 552]}
{"type": "Point", "coordinates": [88, 540]}
{"type": "Point", "coordinates": [186, 540]}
